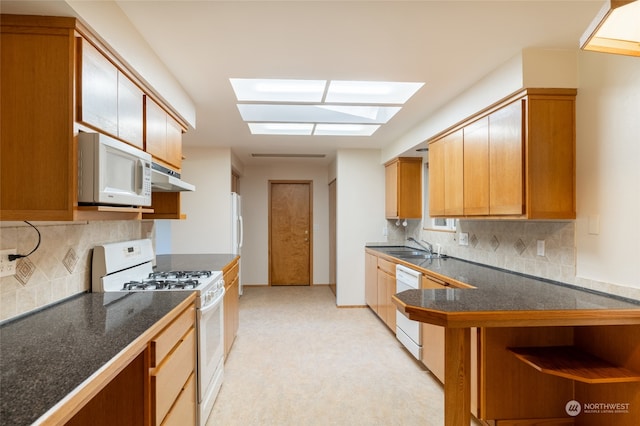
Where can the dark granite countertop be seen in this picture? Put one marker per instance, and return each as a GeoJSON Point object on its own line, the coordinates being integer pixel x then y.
{"type": "Point", "coordinates": [47, 355]}
{"type": "Point", "coordinates": [499, 290]}
{"type": "Point", "coordinates": [193, 262]}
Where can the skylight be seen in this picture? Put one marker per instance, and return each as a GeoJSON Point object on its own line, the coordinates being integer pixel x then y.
{"type": "Point", "coordinates": [319, 107]}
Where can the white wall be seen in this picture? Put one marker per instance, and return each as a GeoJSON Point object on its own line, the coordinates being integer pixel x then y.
{"type": "Point", "coordinates": [207, 228]}
{"type": "Point", "coordinates": [359, 218]}
{"type": "Point", "coordinates": [608, 169]}
{"type": "Point", "coordinates": [254, 188]}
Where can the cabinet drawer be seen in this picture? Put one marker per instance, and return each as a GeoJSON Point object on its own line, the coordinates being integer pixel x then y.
{"type": "Point", "coordinates": [388, 267]}
{"type": "Point", "coordinates": [168, 380]}
{"type": "Point", "coordinates": [231, 275]}
{"type": "Point", "coordinates": [162, 344]}
{"type": "Point", "coordinates": [183, 411]}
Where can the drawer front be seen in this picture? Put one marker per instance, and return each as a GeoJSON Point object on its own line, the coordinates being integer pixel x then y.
{"type": "Point", "coordinates": [183, 411]}
{"type": "Point", "coordinates": [164, 342]}
{"type": "Point", "coordinates": [388, 267]}
{"type": "Point", "coordinates": [170, 377]}
{"type": "Point", "coordinates": [231, 275]}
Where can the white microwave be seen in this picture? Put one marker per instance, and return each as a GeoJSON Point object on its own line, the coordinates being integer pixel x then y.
{"type": "Point", "coordinates": [110, 172]}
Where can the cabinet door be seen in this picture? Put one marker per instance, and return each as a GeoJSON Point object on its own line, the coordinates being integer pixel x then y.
{"type": "Point", "coordinates": [433, 349]}
{"type": "Point", "coordinates": [390, 284]}
{"type": "Point", "coordinates": [506, 160]}
{"type": "Point", "coordinates": [98, 83]}
{"type": "Point", "coordinates": [391, 190]}
{"type": "Point", "coordinates": [130, 105]}
{"type": "Point", "coordinates": [174, 143]}
{"type": "Point", "coordinates": [454, 178]}
{"type": "Point", "coordinates": [436, 178]}
{"type": "Point", "coordinates": [382, 295]}
{"type": "Point", "coordinates": [155, 130]}
{"type": "Point", "coordinates": [371, 281]}
{"type": "Point", "coordinates": [476, 168]}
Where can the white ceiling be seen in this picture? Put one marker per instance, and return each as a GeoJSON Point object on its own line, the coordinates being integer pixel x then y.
{"type": "Point", "coordinates": [447, 44]}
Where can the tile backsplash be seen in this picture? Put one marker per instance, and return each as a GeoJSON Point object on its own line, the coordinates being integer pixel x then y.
{"type": "Point", "coordinates": [61, 266]}
{"type": "Point", "coordinates": [512, 245]}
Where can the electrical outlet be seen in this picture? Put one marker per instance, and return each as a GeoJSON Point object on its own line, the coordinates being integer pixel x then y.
{"type": "Point", "coordinates": [7, 268]}
{"type": "Point", "coordinates": [540, 248]}
{"type": "Point", "coordinates": [464, 239]}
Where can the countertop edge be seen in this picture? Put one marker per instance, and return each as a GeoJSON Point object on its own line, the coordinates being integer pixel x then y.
{"type": "Point", "coordinates": [73, 402]}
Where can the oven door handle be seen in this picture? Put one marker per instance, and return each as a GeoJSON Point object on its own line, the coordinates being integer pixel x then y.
{"type": "Point", "coordinates": [211, 306]}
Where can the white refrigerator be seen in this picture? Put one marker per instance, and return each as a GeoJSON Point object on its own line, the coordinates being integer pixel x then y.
{"type": "Point", "coordinates": [237, 231]}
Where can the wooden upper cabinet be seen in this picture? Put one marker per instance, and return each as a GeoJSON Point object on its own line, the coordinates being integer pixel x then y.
{"type": "Point", "coordinates": [130, 115]}
{"type": "Point", "coordinates": [506, 160]}
{"type": "Point", "coordinates": [107, 99]}
{"type": "Point", "coordinates": [518, 160]}
{"type": "Point", "coordinates": [38, 174]}
{"type": "Point", "coordinates": [476, 168]}
{"type": "Point", "coordinates": [57, 78]}
{"type": "Point", "coordinates": [446, 184]}
{"type": "Point", "coordinates": [453, 168]}
{"type": "Point", "coordinates": [436, 178]}
{"type": "Point", "coordinates": [98, 89]}
{"type": "Point", "coordinates": [163, 135]}
{"type": "Point", "coordinates": [403, 188]}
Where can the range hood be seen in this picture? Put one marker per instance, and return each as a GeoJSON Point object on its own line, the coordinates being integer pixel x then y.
{"type": "Point", "coordinates": [167, 180]}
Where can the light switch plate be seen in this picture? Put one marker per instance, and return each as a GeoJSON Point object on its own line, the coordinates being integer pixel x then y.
{"type": "Point", "coordinates": [540, 247]}
{"type": "Point", "coordinates": [464, 239]}
{"type": "Point", "coordinates": [7, 268]}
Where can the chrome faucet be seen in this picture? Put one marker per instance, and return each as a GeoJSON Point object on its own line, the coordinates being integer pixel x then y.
{"type": "Point", "coordinates": [428, 247]}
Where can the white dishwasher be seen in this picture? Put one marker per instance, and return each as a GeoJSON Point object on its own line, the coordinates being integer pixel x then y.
{"type": "Point", "coordinates": [408, 332]}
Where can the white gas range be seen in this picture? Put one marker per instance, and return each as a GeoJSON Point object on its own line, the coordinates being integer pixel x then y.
{"type": "Point", "coordinates": [128, 266]}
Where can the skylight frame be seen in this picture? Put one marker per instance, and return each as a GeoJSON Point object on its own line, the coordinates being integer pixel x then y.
{"type": "Point", "coordinates": [331, 107]}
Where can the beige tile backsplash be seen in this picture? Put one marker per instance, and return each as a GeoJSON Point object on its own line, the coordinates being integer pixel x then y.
{"type": "Point", "coordinates": [512, 245]}
{"type": "Point", "coordinates": [61, 267]}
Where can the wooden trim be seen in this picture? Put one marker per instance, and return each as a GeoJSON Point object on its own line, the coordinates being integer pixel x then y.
{"type": "Point", "coordinates": [519, 318]}
{"type": "Point", "coordinates": [66, 408]}
{"type": "Point", "coordinates": [554, 92]}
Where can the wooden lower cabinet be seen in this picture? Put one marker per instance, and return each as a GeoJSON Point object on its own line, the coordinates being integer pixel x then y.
{"type": "Point", "coordinates": [172, 367]}
{"type": "Point", "coordinates": [121, 402]}
{"type": "Point", "coordinates": [231, 304]}
{"type": "Point", "coordinates": [158, 387]}
{"type": "Point", "coordinates": [386, 289]}
{"type": "Point", "coordinates": [371, 281]}
{"type": "Point", "coordinates": [380, 286]}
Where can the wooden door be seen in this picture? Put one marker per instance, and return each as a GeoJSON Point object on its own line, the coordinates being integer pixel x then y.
{"type": "Point", "coordinates": [290, 238]}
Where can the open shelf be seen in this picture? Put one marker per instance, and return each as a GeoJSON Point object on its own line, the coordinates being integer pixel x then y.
{"type": "Point", "coordinates": [572, 363]}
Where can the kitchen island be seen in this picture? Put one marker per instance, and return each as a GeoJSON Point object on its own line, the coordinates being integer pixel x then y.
{"type": "Point", "coordinates": [57, 360]}
{"type": "Point", "coordinates": [501, 299]}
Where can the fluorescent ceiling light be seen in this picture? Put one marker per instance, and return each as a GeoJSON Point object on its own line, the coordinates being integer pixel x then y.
{"type": "Point", "coordinates": [316, 113]}
{"type": "Point", "coordinates": [303, 129]}
{"type": "Point", "coordinates": [370, 92]}
{"type": "Point", "coordinates": [294, 107]}
{"type": "Point", "coordinates": [616, 29]}
{"type": "Point", "coordinates": [278, 90]}
{"type": "Point", "coordinates": [345, 129]}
